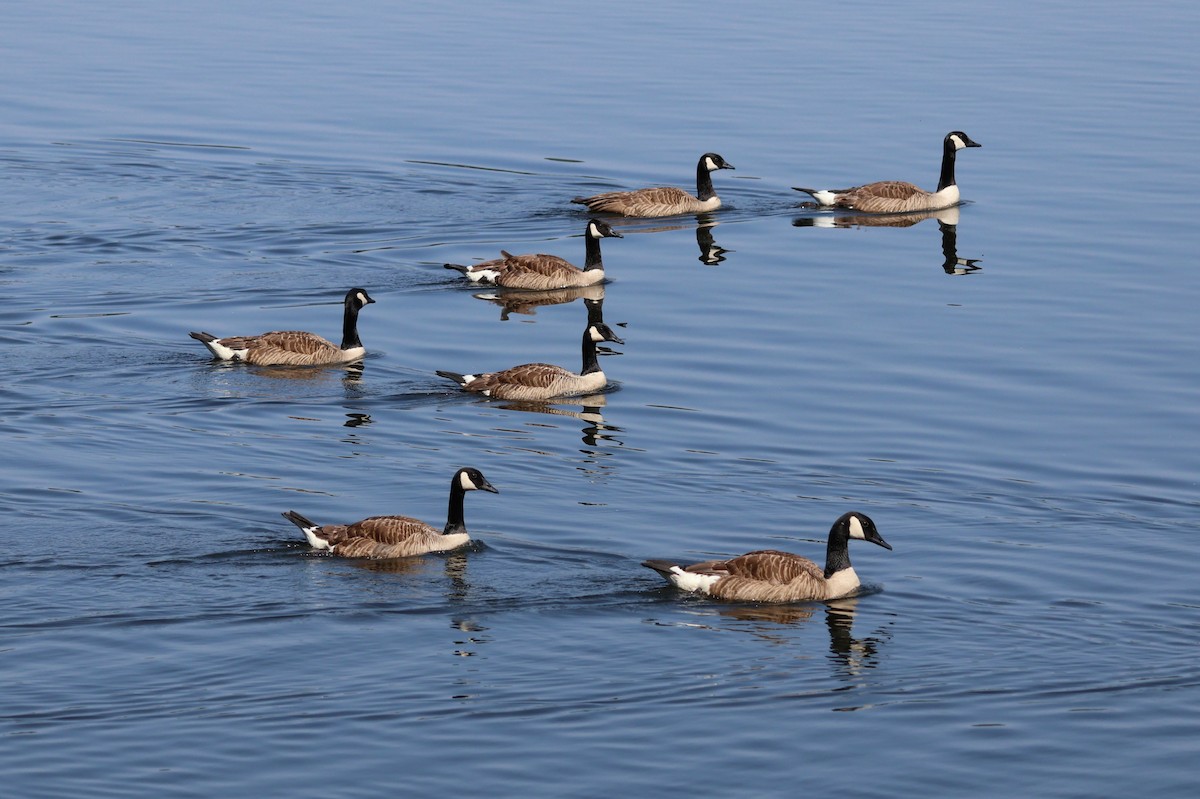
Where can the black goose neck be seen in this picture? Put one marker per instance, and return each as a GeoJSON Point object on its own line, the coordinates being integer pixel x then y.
{"type": "Point", "coordinates": [455, 523]}
{"type": "Point", "coordinates": [592, 259]}
{"type": "Point", "coordinates": [704, 186]}
{"type": "Point", "coordinates": [350, 325]}
{"type": "Point", "coordinates": [837, 551]}
{"type": "Point", "coordinates": [591, 362]}
{"type": "Point", "coordinates": [947, 176]}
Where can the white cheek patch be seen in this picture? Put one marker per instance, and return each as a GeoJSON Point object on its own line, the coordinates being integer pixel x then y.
{"type": "Point", "coordinates": [856, 529]}
{"type": "Point", "coordinates": [362, 298]}
{"type": "Point", "coordinates": [596, 335]}
{"type": "Point", "coordinates": [465, 482]}
{"type": "Point", "coordinates": [958, 143]}
{"type": "Point", "coordinates": [710, 164]}
{"type": "Point", "coordinates": [594, 231]}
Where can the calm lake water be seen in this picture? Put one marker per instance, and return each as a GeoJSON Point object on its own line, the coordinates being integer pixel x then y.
{"type": "Point", "coordinates": [1023, 431]}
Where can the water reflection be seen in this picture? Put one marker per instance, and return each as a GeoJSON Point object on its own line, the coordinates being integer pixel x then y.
{"type": "Point", "coordinates": [595, 429]}
{"type": "Point", "coordinates": [852, 655]}
{"type": "Point", "coordinates": [522, 301]}
{"type": "Point", "coordinates": [711, 253]}
{"type": "Point", "coordinates": [947, 219]}
{"type": "Point", "coordinates": [453, 566]}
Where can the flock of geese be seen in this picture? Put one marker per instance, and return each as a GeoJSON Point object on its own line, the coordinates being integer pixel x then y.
{"type": "Point", "coordinates": [760, 576]}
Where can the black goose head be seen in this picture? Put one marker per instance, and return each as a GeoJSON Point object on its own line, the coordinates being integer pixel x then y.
{"type": "Point", "coordinates": [956, 140]}
{"type": "Point", "coordinates": [712, 162]}
{"type": "Point", "coordinates": [855, 525]}
{"type": "Point", "coordinates": [596, 229]}
{"type": "Point", "coordinates": [470, 479]}
{"type": "Point", "coordinates": [356, 298]}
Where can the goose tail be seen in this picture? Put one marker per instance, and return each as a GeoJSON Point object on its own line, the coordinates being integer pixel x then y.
{"type": "Point", "coordinates": [455, 376]}
{"type": "Point", "coordinates": [663, 567]}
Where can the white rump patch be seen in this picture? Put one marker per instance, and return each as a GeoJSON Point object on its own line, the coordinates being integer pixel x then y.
{"type": "Point", "coordinates": [225, 353]}
{"type": "Point", "coordinates": [483, 275]}
{"type": "Point", "coordinates": [856, 529]}
{"type": "Point", "coordinates": [824, 196]}
{"type": "Point", "coordinates": [315, 541]}
{"type": "Point", "coordinates": [690, 581]}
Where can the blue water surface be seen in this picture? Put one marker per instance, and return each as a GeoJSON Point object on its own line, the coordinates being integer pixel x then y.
{"type": "Point", "coordinates": [1010, 392]}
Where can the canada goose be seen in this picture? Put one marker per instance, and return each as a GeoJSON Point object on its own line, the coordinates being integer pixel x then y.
{"type": "Point", "coordinates": [541, 272]}
{"type": "Point", "coordinates": [294, 347]}
{"type": "Point", "coordinates": [664, 200]}
{"type": "Point", "coordinates": [543, 381]}
{"type": "Point", "coordinates": [397, 536]}
{"type": "Point", "coordinates": [771, 576]}
{"type": "Point", "coordinates": [897, 196]}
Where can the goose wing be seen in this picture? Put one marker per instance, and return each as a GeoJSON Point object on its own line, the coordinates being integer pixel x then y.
{"type": "Point", "coordinates": [529, 375]}
{"type": "Point", "coordinates": [385, 537]}
{"type": "Point", "coordinates": [638, 203]}
{"type": "Point", "coordinates": [536, 271]}
{"type": "Point", "coordinates": [283, 347]}
{"type": "Point", "coordinates": [770, 576]}
{"type": "Point", "coordinates": [883, 196]}
{"type": "Point", "coordinates": [773, 566]}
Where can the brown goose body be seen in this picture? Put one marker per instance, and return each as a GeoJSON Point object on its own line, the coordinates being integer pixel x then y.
{"type": "Point", "coordinates": [542, 272]}
{"type": "Point", "coordinates": [662, 200]}
{"type": "Point", "coordinates": [769, 575]}
{"type": "Point", "coordinates": [533, 382]}
{"type": "Point", "coordinates": [898, 196]}
{"type": "Point", "coordinates": [397, 536]}
{"type": "Point", "coordinates": [294, 347]}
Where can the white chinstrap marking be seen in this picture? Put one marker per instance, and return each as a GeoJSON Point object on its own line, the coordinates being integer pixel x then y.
{"type": "Point", "coordinates": [856, 529]}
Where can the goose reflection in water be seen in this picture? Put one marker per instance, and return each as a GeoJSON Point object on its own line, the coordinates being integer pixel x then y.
{"type": "Point", "coordinates": [947, 219]}
{"type": "Point", "coordinates": [595, 430]}
{"type": "Point", "coordinates": [852, 655]}
{"type": "Point", "coordinates": [522, 301]}
{"type": "Point", "coordinates": [711, 253]}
